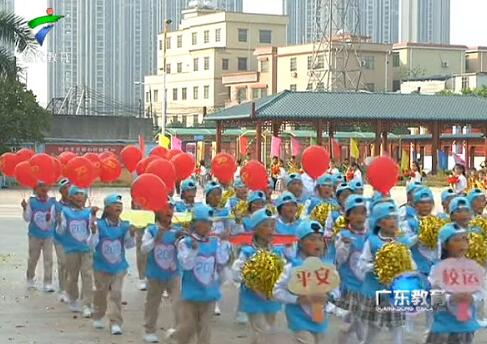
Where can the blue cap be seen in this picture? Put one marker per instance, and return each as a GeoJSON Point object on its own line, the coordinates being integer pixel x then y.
{"type": "Point", "coordinates": [459, 203]}
{"type": "Point", "coordinates": [74, 190]}
{"type": "Point", "coordinates": [326, 180]}
{"type": "Point", "coordinates": [286, 197]}
{"type": "Point", "coordinates": [238, 183]}
{"type": "Point", "coordinates": [260, 216]}
{"type": "Point", "coordinates": [338, 178]}
{"type": "Point", "coordinates": [342, 187]}
{"type": "Point", "coordinates": [293, 178]}
{"type": "Point", "coordinates": [354, 201]}
{"type": "Point", "coordinates": [63, 183]}
{"type": "Point", "coordinates": [201, 212]}
{"type": "Point", "coordinates": [256, 196]}
{"type": "Point", "coordinates": [210, 186]}
{"type": "Point", "coordinates": [382, 211]}
{"type": "Point", "coordinates": [412, 187]}
{"type": "Point", "coordinates": [423, 194]}
{"type": "Point", "coordinates": [474, 194]}
{"type": "Point", "coordinates": [447, 194]}
{"type": "Point", "coordinates": [307, 227]}
{"type": "Point", "coordinates": [188, 184]}
{"type": "Point", "coordinates": [112, 199]}
{"type": "Point", "coordinates": [449, 230]}
{"type": "Point", "coordinates": [357, 185]}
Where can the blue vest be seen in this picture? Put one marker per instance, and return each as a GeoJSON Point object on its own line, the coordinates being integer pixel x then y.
{"type": "Point", "coordinates": [162, 261]}
{"type": "Point", "coordinates": [249, 301]}
{"type": "Point", "coordinates": [220, 224]}
{"type": "Point", "coordinates": [59, 208]}
{"type": "Point", "coordinates": [299, 317]}
{"type": "Point", "coordinates": [182, 207]}
{"type": "Point", "coordinates": [233, 202]}
{"type": "Point", "coordinates": [38, 225]}
{"type": "Point", "coordinates": [316, 201]}
{"type": "Point", "coordinates": [331, 251]}
{"type": "Point", "coordinates": [287, 228]}
{"type": "Point", "coordinates": [200, 284]}
{"type": "Point", "coordinates": [109, 256]}
{"type": "Point", "coordinates": [247, 224]}
{"type": "Point", "coordinates": [348, 278]}
{"type": "Point", "coordinates": [423, 264]}
{"type": "Point", "coordinates": [443, 216]}
{"type": "Point", "coordinates": [371, 283]}
{"type": "Point", "coordinates": [77, 230]}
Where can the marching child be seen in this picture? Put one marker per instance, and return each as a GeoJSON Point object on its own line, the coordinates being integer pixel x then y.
{"type": "Point", "coordinates": [297, 308]}
{"type": "Point", "coordinates": [199, 256]}
{"type": "Point", "coordinates": [323, 193]}
{"type": "Point", "coordinates": [64, 185]}
{"type": "Point", "coordinates": [188, 194]}
{"type": "Point", "coordinates": [163, 273]}
{"type": "Point", "coordinates": [39, 213]}
{"type": "Point", "coordinates": [287, 209]}
{"type": "Point", "coordinates": [295, 186]}
{"type": "Point", "coordinates": [74, 228]}
{"type": "Point", "coordinates": [357, 187]}
{"type": "Point", "coordinates": [407, 211]}
{"type": "Point", "coordinates": [477, 200]}
{"type": "Point", "coordinates": [446, 197]}
{"type": "Point", "coordinates": [109, 239]}
{"type": "Point", "coordinates": [461, 212]}
{"type": "Point", "coordinates": [446, 328]}
{"type": "Point", "coordinates": [241, 194]}
{"type": "Point", "coordinates": [255, 201]}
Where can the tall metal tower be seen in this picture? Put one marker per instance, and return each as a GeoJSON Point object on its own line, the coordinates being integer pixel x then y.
{"type": "Point", "coordinates": [336, 64]}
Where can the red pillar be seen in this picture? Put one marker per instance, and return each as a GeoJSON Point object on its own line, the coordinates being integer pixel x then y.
{"type": "Point", "coordinates": [435, 145]}
{"type": "Point", "coordinates": [219, 129]}
{"type": "Point", "coordinates": [331, 134]}
{"type": "Point", "coordinates": [258, 140]}
{"type": "Point", "coordinates": [378, 139]}
{"type": "Point", "coordinates": [319, 133]}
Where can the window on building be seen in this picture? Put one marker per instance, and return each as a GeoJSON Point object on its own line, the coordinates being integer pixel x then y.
{"type": "Point", "coordinates": [206, 92]}
{"type": "Point", "coordinates": [465, 83]}
{"type": "Point", "coordinates": [310, 62]}
{"type": "Point", "coordinates": [229, 92]}
{"type": "Point", "coordinates": [370, 86]}
{"type": "Point", "coordinates": [265, 36]}
{"type": "Point", "coordinates": [195, 92]}
{"type": "Point", "coordinates": [147, 97]}
{"type": "Point", "coordinates": [320, 86]}
{"type": "Point", "coordinates": [225, 64]}
{"type": "Point", "coordinates": [242, 94]}
{"type": "Point", "coordinates": [184, 120]}
{"type": "Point", "coordinates": [242, 63]}
{"type": "Point", "coordinates": [184, 93]}
{"type": "Point", "coordinates": [263, 92]}
{"type": "Point", "coordinates": [195, 119]}
{"type": "Point", "coordinates": [174, 94]}
{"type": "Point", "coordinates": [206, 36]}
{"type": "Point", "coordinates": [293, 65]}
{"type": "Point", "coordinates": [368, 62]}
{"type": "Point", "coordinates": [161, 47]}
{"type": "Point", "coordinates": [207, 63]}
{"type": "Point", "coordinates": [194, 38]}
{"type": "Point", "coordinates": [168, 68]}
{"type": "Point", "coordinates": [396, 61]}
{"type": "Point", "coordinates": [180, 67]}
{"type": "Point", "coordinates": [255, 93]}
{"type": "Point", "coordinates": [218, 35]}
{"type": "Point", "coordinates": [156, 95]}
{"type": "Point", "coordinates": [309, 87]}
{"type": "Point", "coordinates": [242, 35]}
{"type": "Point", "coordinates": [293, 87]}
{"type": "Point", "coordinates": [320, 63]}
{"type": "Point", "coordinates": [195, 64]}
{"type": "Point", "coordinates": [264, 66]}
{"type": "Point", "coordinates": [396, 85]}
{"type": "Point", "coordinates": [180, 41]}
{"type": "Point", "coordinates": [168, 42]}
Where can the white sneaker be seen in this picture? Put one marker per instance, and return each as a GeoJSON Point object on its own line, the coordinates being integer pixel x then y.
{"type": "Point", "coordinates": [62, 297]}
{"type": "Point", "coordinates": [30, 284]}
{"type": "Point", "coordinates": [74, 307]}
{"type": "Point", "coordinates": [48, 288]}
{"type": "Point", "coordinates": [98, 324]}
{"type": "Point", "coordinates": [116, 330]}
{"type": "Point", "coordinates": [142, 285]}
{"type": "Point", "coordinates": [165, 294]}
{"type": "Point", "coordinates": [151, 338]}
{"type": "Point", "coordinates": [241, 318]}
{"type": "Point", "coordinates": [217, 310]}
{"type": "Point", "coordinates": [86, 312]}
{"type": "Point", "coordinates": [170, 332]}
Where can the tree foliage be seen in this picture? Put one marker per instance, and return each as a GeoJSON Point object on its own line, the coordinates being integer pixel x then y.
{"type": "Point", "coordinates": [479, 92]}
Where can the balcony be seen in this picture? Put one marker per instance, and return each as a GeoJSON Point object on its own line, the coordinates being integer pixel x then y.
{"type": "Point", "coordinates": [240, 78]}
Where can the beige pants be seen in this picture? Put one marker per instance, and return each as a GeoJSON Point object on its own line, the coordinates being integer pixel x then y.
{"type": "Point", "coordinates": [77, 263]}
{"type": "Point", "coordinates": [262, 326]}
{"type": "Point", "coordinates": [61, 265]}
{"type": "Point", "coordinates": [35, 248]}
{"type": "Point", "coordinates": [108, 286]}
{"type": "Point", "coordinates": [155, 288]}
{"type": "Point", "coordinates": [305, 337]}
{"type": "Point", "coordinates": [194, 319]}
{"type": "Point", "coordinates": [140, 257]}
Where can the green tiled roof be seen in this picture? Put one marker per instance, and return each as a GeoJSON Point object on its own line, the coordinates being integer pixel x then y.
{"type": "Point", "coordinates": [289, 105]}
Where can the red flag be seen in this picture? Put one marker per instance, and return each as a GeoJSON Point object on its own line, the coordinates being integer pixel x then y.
{"type": "Point", "coordinates": [336, 149]}
{"type": "Point", "coordinates": [244, 144]}
{"type": "Point", "coordinates": [247, 238]}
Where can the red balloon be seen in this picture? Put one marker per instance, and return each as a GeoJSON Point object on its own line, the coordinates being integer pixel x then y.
{"type": "Point", "coordinates": [96, 161]}
{"type": "Point", "coordinates": [24, 175]}
{"type": "Point", "coordinates": [254, 175]}
{"type": "Point", "coordinates": [382, 174]}
{"type": "Point", "coordinates": [173, 152]}
{"type": "Point", "coordinates": [65, 157]}
{"type": "Point", "coordinates": [149, 192]}
{"type": "Point", "coordinates": [184, 164]}
{"type": "Point", "coordinates": [159, 151]}
{"type": "Point", "coordinates": [110, 170]}
{"type": "Point", "coordinates": [24, 154]}
{"type": "Point", "coordinates": [315, 161]}
{"type": "Point", "coordinates": [8, 161]}
{"type": "Point", "coordinates": [131, 155]}
{"type": "Point", "coordinates": [58, 169]}
{"type": "Point", "coordinates": [223, 167]}
{"type": "Point", "coordinates": [43, 168]}
{"type": "Point", "coordinates": [80, 171]}
{"type": "Point", "coordinates": [165, 170]}
{"type": "Point", "coordinates": [142, 165]}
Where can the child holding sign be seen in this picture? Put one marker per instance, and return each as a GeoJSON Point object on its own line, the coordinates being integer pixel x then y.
{"type": "Point", "coordinates": [455, 320]}
{"type": "Point", "coordinates": [109, 239]}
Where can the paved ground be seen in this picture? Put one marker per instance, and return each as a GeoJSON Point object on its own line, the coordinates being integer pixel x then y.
{"type": "Point", "coordinates": [36, 317]}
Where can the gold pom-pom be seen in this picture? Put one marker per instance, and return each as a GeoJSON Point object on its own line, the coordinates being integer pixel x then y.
{"type": "Point", "coordinates": [392, 260]}
{"type": "Point", "coordinates": [227, 194]}
{"type": "Point", "coordinates": [272, 209]}
{"type": "Point", "coordinates": [429, 228]}
{"type": "Point", "coordinates": [341, 223]}
{"type": "Point", "coordinates": [480, 222]}
{"type": "Point", "coordinates": [477, 248]}
{"type": "Point", "coordinates": [320, 212]}
{"type": "Point", "coordinates": [299, 213]}
{"type": "Point", "coordinates": [240, 211]}
{"type": "Point", "coordinates": [261, 272]}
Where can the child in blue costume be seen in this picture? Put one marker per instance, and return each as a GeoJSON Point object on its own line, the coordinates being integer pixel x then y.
{"type": "Point", "coordinates": [241, 193]}
{"type": "Point", "coordinates": [294, 184]}
{"type": "Point", "coordinates": [357, 187]}
{"type": "Point", "coordinates": [337, 180]}
{"type": "Point", "coordinates": [39, 213]}
{"type": "Point", "coordinates": [349, 245]}
{"type": "Point", "coordinates": [385, 228]}
{"type": "Point", "coordinates": [260, 310]}
{"type": "Point", "coordinates": [461, 213]}
{"type": "Point", "coordinates": [323, 193]}
{"type": "Point", "coordinates": [477, 200]}
{"type": "Point", "coordinates": [109, 239]}
{"type": "Point", "coordinates": [163, 272]}
{"type": "Point", "coordinates": [256, 200]}
{"type": "Point", "coordinates": [297, 308]}
{"type": "Point", "coordinates": [199, 256]}
{"type": "Point", "coordinates": [446, 197]}
{"type": "Point", "coordinates": [64, 185]}
{"type": "Point", "coordinates": [446, 328]}
{"type": "Point", "coordinates": [188, 194]}
{"type": "Point", "coordinates": [287, 208]}
{"type": "Point", "coordinates": [407, 211]}
{"type": "Point", "coordinates": [74, 228]}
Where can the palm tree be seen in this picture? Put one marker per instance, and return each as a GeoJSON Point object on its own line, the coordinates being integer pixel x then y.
{"type": "Point", "coordinates": [14, 31]}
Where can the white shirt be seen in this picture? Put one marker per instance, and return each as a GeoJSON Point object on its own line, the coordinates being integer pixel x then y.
{"type": "Point", "coordinates": [333, 171]}
{"type": "Point", "coordinates": [357, 176]}
{"type": "Point", "coordinates": [416, 178]}
{"type": "Point", "coordinates": [461, 184]}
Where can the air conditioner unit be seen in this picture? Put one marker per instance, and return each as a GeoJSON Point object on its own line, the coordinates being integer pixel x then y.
{"type": "Point", "coordinates": [444, 64]}
{"type": "Point", "coordinates": [294, 74]}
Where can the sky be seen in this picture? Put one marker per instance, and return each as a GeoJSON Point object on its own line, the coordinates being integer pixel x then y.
{"type": "Point", "coordinates": [467, 28]}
